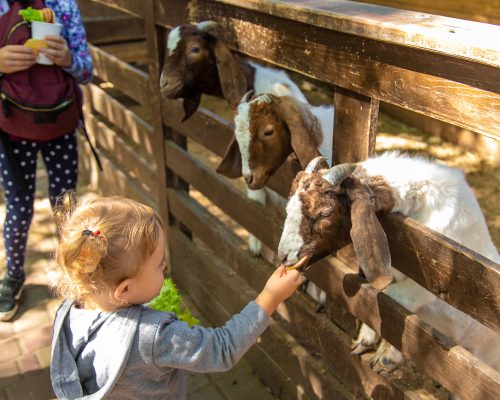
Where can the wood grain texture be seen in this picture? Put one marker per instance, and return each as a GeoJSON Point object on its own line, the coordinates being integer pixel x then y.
{"type": "Point", "coordinates": [454, 90]}
{"type": "Point", "coordinates": [479, 10]}
{"type": "Point", "coordinates": [130, 80]}
{"type": "Point", "coordinates": [137, 130]}
{"type": "Point", "coordinates": [104, 30]}
{"type": "Point", "coordinates": [131, 7]}
{"type": "Point", "coordinates": [355, 126]}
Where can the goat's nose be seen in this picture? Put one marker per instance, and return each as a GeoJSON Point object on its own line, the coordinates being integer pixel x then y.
{"type": "Point", "coordinates": [249, 179]}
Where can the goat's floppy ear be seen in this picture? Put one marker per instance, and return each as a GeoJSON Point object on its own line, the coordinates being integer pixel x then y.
{"type": "Point", "coordinates": [230, 165]}
{"type": "Point", "coordinates": [232, 80]}
{"type": "Point", "coordinates": [303, 145]}
{"type": "Point", "coordinates": [190, 106]}
{"type": "Point", "coordinates": [368, 237]}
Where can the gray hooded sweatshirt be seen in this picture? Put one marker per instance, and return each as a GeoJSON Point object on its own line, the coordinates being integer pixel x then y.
{"type": "Point", "coordinates": [140, 353]}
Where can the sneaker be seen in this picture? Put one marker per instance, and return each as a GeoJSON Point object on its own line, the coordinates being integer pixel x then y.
{"type": "Point", "coordinates": [10, 293]}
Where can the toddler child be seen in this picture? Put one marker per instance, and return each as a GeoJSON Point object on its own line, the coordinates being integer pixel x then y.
{"type": "Point", "coordinates": [106, 343]}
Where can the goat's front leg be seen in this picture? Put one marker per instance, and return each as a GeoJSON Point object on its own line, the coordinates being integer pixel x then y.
{"type": "Point", "coordinates": [254, 244]}
{"type": "Point", "coordinates": [366, 340]}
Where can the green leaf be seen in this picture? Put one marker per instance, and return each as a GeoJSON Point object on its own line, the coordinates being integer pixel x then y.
{"type": "Point", "coordinates": [29, 14]}
{"type": "Point", "coordinates": [170, 299]}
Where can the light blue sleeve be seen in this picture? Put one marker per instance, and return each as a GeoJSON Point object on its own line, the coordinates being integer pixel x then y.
{"type": "Point", "coordinates": [68, 14]}
{"type": "Point", "coordinates": [200, 349]}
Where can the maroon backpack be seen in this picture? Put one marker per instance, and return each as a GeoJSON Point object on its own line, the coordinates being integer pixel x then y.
{"type": "Point", "coordinates": [42, 102]}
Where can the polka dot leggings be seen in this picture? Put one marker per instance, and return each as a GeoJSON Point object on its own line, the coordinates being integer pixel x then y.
{"type": "Point", "coordinates": [60, 158]}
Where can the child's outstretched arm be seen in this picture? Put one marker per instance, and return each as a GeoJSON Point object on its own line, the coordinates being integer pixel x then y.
{"type": "Point", "coordinates": [201, 349]}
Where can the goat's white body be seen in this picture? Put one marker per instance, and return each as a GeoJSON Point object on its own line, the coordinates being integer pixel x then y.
{"type": "Point", "coordinates": [274, 81]}
{"type": "Point", "coordinates": [436, 196]}
{"type": "Point", "coordinates": [440, 198]}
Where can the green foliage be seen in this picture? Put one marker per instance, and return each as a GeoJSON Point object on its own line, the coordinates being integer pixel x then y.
{"type": "Point", "coordinates": [170, 299]}
{"type": "Point", "coordinates": [29, 14]}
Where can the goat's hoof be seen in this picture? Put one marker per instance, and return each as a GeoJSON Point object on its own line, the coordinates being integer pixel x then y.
{"type": "Point", "coordinates": [386, 358]}
{"type": "Point", "coordinates": [358, 347]}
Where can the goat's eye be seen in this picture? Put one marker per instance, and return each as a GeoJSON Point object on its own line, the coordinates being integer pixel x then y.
{"type": "Point", "coordinates": [195, 50]}
{"type": "Point", "coordinates": [268, 132]}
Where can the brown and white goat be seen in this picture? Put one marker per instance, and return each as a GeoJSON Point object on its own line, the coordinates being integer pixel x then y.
{"type": "Point", "coordinates": [329, 208]}
{"type": "Point", "coordinates": [197, 62]}
{"type": "Point", "coordinates": [268, 129]}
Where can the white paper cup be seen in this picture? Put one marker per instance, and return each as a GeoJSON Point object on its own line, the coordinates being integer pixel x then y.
{"type": "Point", "coordinates": [41, 29]}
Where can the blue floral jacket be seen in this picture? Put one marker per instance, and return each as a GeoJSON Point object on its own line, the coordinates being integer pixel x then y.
{"type": "Point", "coordinates": [68, 14]}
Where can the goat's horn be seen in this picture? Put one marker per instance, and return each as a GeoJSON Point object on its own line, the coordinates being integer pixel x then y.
{"type": "Point", "coordinates": [206, 26]}
{"type": "Point", "coordinates": [246, 96]}
{"type": "Point", "coordinates": [313, 164]}
{"type": "Point", "coordinates": [337, 174]}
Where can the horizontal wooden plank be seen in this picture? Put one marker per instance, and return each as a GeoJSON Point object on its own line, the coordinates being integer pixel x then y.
{"type": "Point", "coordinates": [456, 91]}
{"type": "Point", "coordinates": [130, 52]}
{"type": "Point", "coordinates": [444, 35]}
{"type": "Point", "coordinates": [214, 280]}
{"type": "Point", "coordinates": [479, 10]}
{"type": "Point", "coordinates": [130, 80]}
{"type": "Point", "coordinates": [138, 130]}
{"type": "Point", "coordinates": [102, 30]}
{"type": "Point", "coordinates": [255, 218]}
{"type": "Point", "coordinates": [132, 7]}
{"type": "Point", "coordinates": [309, 327]}
{"type": "Point", "coordinates": [457, 275]}
{"type": "Point", "coordinates": [451, 365]}
{"type": "Point", "coordinates": [125, 156]}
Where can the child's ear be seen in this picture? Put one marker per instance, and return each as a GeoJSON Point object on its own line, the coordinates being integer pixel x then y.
{"type": "Point", "coordinates": [122, 291]}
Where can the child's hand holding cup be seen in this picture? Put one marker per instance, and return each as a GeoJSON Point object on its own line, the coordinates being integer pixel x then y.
{"type": "Point", "coordinates": [57, 46]}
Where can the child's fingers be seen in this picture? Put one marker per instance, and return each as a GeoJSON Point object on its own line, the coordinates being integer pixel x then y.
{"type": "Point", "coordinates": [55, 39]}
{"type": "Point", "coordinates": [295, 276]}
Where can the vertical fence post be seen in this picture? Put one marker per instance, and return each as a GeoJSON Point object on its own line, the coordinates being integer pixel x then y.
{"type": "Point", "coordinates": [355, 126]}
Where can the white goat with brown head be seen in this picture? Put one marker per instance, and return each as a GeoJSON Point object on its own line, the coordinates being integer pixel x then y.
{"type": "Point", "coordinates": [328, 208]}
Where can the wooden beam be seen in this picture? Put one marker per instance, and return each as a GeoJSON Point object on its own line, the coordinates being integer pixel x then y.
{"type": "Point", "coordinates": [137, 130]}
{"type": "Point", "coordinates": [313, 329]}
{"type": "Point", "coordinates": [103, 30]}
{"type": "Point", "coordinates": [455, 368]}
{"type": "Point", "coordinates": [129, 52]}
{"type": "Point", "coordinates": [130, 80]}
{"type": "Point", "coordinates": [131, 7]}
{"type": "Point", "coordinates": [355, 126]}
{"type": "Point", "coordinates": [448, 36]}
{"type": "Point", "coordinates": [462, 92]}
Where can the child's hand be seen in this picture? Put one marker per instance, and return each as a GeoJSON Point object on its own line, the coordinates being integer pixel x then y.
{"type": "Point", "coordinates": [279, 287]}
{"type": "Point", "coordinates": [15, 58]}
{"type": "Point", "coordinates": [58, 51]}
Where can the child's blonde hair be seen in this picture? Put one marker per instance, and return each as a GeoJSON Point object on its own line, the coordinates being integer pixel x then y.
{"type": "Point", "coordinates": [90, 264]}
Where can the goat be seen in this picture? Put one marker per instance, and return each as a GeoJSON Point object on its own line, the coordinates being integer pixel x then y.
{"type": "Point", "coordinates": [328, 208]}
{"type": "Point", "coordinates": [268, 129]}
{"type": "Point", "coordinates": [197, 62]}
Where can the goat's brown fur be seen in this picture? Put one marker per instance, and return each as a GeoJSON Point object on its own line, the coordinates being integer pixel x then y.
{"type": "Point", "coordinates": [332, 213]}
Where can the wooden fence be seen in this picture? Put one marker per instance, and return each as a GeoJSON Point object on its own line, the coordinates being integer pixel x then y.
{"type": "Point", "coordinates": [436, 66]}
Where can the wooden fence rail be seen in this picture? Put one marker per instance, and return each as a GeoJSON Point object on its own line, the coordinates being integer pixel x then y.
{"type": "Point", "coordinates": [441, 67]}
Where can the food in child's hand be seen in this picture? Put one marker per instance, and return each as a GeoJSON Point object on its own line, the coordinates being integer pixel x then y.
{"type": "Point", "coordinates": [44, 15]}
{"type": "Point", "coordinates": [297, 265]}
{"type": "Point", "coordinates": [36, 44]}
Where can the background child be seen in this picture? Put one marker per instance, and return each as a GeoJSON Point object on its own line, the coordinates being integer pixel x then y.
{"type": "Point", "coordinates": [18, 155]}
{"type": "Point", "coordinates": [106, 343]}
